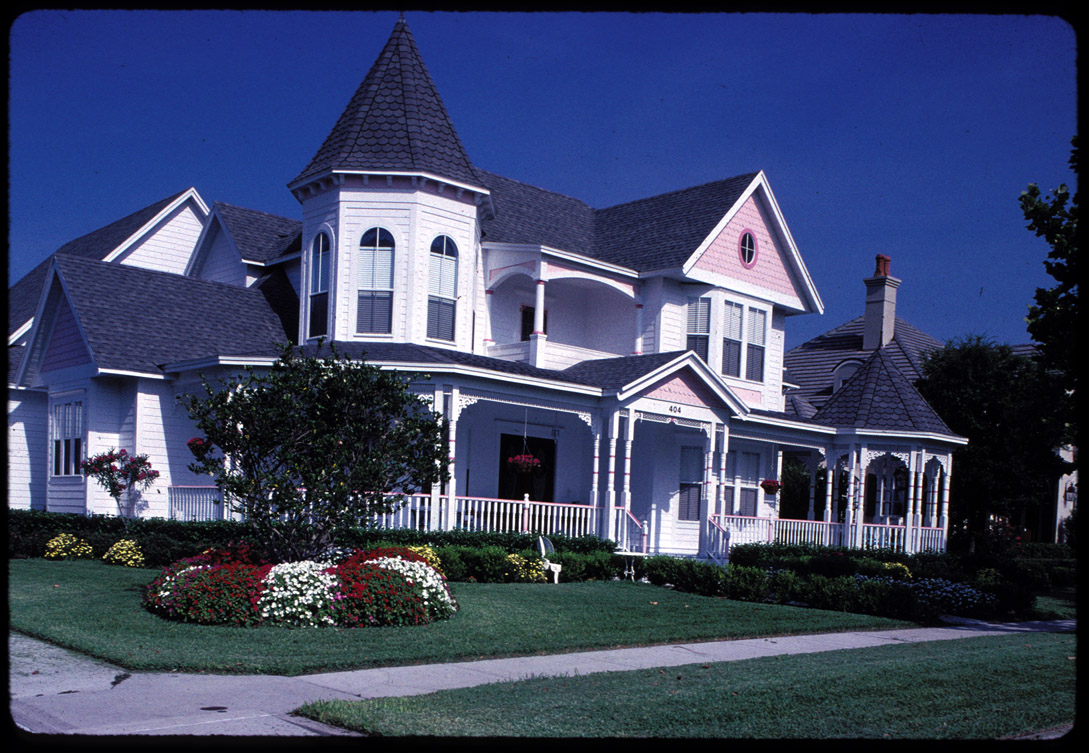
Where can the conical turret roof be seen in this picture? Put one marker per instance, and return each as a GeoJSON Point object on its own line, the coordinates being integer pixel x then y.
{"type": "Point", "coordinates": [879, 397]}
{"type": "Point", "coordinates": [395, 121]}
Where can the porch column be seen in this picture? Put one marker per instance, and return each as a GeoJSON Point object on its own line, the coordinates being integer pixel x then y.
{"type": "Point", "coordinates": [943, 520]}
{"type": "Point", "coordinates": [435, 517]}
{"type": "Point", "coordinates": [610, 484]}
{"type": "Point", "coordinates": [853, 518]}
{"type": "Point", "coordinates": [829, 482]}
{"type": "Point", "coordinates": [910, 523]}
{"type": "Point", "coordinates": [538, 339]}
{"type": "Point", "coordinates": [637, 349]}
{"type": "Point", "coordinates": [723, 452]}
{"type": "Point", "coordinates": [811, 466]}
{"type": "Point", "coordinates": [629, 437]}
{"type": "Point", "coordinates": [595, 490]}
{"type": "Point", "coordinates": [706, 491]}
{"type": "Point", "coordinates": [451, 400]}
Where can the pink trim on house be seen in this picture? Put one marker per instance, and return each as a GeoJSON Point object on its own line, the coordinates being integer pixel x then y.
{"type": "Point", "coordinates": [769, 271]}
{"type": "Point", "coordinates": [683, 388]}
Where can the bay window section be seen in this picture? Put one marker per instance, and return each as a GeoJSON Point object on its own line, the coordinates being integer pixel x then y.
{"type": "Point", "coordinates": [754, 367]}
{"type": "Point", "coordinates": [374, 311]}
{"type": "Point", "coordinates": [699, 325]}
{"type": "Point", "coordinates": [442, 288]}
{"type": "Point", "coordinates": [731, 340]}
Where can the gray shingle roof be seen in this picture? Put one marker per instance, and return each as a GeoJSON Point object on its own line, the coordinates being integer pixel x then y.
{"type": "Point", "coordinates": [259, 236]}
{"type": "Point", "coordinates": [659, 232]}
{"type": "Point", "coordinates": [811, 364]}
{"type": "Point", "coordinates": [136, 319]}
{"type": "Point", "coordinates": [395, 121]}
{"type": "Point", "coordinates": [23, 295]}
{"type": "Point", "coordinates": [880, 397]}
{"type": "Point", "coordinates": [614, 373]}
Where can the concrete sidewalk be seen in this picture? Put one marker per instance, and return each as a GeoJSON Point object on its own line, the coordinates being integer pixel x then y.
{"type": "Point", "coordinates": [54, 691]}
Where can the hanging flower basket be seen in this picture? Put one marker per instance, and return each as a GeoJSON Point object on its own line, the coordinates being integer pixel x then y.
{"type": "Point", "coordinates": [771, 486]}
{"type": "Point", "coordinates": [524, 463]}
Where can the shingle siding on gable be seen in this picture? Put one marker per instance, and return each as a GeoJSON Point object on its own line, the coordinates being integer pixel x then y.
{"type": "Point", "coordinates": [768, 273]}
{"type": "Point", "coordinates": [170, 246]}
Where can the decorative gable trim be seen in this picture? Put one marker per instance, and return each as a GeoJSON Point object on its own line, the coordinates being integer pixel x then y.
{"type": "Point", "coordinates": [805, 289]}
{"type": "Point", "coordinates": [697, 377]}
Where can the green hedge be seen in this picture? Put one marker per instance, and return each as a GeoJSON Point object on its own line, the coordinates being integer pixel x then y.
{"type": "Point", "coordinates": [164, 541]}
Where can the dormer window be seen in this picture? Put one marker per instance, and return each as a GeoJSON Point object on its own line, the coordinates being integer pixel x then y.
{"type": "Point", "coordinates": [374, 312]}
{"type": "Point", "coordinates": [844, 372]}
{"type": "Point", "coordinates": [319, 286]}
{"type": "Point", "coordinates": [442, 288]}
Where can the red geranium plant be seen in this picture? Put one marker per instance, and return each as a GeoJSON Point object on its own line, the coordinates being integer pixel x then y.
{"type": "Point", "coordinates": [771, 486]}
{"type": "Point", "coordinates": [524, 463]}
{"type": "Point", "coordinates": [120, 473]}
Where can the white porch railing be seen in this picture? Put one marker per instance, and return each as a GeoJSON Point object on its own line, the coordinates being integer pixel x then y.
{"type": "Point", "coordinates": [631, 534]}
{"type": "Point", "coordinates": [523, 516]}
{"type": "Point", "coordinates": [807, 532]}
{"type": "Point", "coordinates": [745, 529]}
{"type": "Point", "coordinates": [883, 537]}
{"type": "Point", "coordinates": [415, 513]}
{"type": "Point", "coordinates": [195, 503]}
{"type": "Point", "coordinates": [931, 539]}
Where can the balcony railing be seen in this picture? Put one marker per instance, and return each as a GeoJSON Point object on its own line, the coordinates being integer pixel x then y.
{"type": "Point", "coordinates": [195, 503]}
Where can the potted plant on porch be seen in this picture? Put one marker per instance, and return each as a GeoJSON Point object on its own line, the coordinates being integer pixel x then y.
{"type": "Point", "coordinates": [771, 486]}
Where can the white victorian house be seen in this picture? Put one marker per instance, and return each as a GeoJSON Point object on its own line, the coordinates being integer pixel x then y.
{"type": "Point", "coordinates": [636, 351]}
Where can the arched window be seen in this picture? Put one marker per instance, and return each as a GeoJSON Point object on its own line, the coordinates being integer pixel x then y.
{"type": "Point", "coordinates": [843, 372]}
{"type": "Point", "coordinates": [442, 288]}
{"type": "Point", "coordinates": [319, 286]}
{"type": "Point", "coordinates": [374, 313]}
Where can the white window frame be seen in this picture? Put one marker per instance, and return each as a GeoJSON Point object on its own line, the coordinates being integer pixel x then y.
{"type": "Point", "coordinates": [320, 273]}
{"type": "Point", "coordinates": [67, 436]}
{"type": "Point", "coordinates": [699, 326]}
{"type": "Point", "coordinates": [375, 276]}
{"type": "Point", "coordinates": [746, 328]}
{"type": "Point", "coordinates": [442, 289]}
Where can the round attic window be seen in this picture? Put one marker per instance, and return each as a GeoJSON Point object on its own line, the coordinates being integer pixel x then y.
{"type": "Point", "coordinates": [746, 249]}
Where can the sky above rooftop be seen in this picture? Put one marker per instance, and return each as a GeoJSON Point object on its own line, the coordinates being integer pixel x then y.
{"type": "Point", "coordinates": [907, 135]}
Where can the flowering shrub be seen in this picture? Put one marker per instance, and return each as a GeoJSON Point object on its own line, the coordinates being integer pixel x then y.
{"type": "Point", "coordinates": [211, 595]}
{"type": "Point", "coordinates": [125, 552]}
{"type": "Point", "coordinates": [438, 603]}
{"type": "Point", "coordinates": [897, 570]}
{"type": "Point", "coordinates": [118, 472]}
{"type": "Point", "coordinates": [65, 546]}
{"type": "Point", "coordinates": [952, 598]}
{"type": "Point", "coordinates": [428, 555]}
{"type": "Point", "coordinates": [524, 569]}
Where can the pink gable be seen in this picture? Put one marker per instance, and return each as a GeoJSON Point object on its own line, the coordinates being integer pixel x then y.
{"type": "Point", "coordinates": [66, 346]}
{"type": "Point", "coordinates": [683, 388]}
{"type": "Point", "coordinates": [769, 271]}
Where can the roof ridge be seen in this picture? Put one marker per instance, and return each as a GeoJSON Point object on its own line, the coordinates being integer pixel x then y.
{"type": "Point", "coordinates": [256, 211]}
{"type": "Point", "coordinates": [720, 181]}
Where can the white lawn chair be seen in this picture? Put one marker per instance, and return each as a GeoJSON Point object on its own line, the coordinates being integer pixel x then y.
{"type": "Point", "coordinates": [544, 546]}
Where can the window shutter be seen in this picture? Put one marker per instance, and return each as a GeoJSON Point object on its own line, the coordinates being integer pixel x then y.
{"type": "Point", "coordinates": [732, 328]}
{"type": "Point", "coordinates": [699, 316]}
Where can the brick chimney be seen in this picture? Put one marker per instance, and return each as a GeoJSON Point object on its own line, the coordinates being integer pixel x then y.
{"type": "Point", "coordinates": [880, 317]}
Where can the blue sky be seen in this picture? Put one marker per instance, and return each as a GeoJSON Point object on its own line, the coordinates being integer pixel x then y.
{"type": "Point", "coordinates": [908, 135]}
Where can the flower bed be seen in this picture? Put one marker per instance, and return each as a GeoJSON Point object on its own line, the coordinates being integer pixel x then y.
{"type": "Point", "coordinates": [342, 588]}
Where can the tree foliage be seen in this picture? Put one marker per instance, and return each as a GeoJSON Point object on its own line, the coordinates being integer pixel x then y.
{"type": "Point", "coordinates": [1012, 414]}
{"type": "Point", "coordinates": [314, 445]}
{"type": "Point", "coordinates": [1053, 319]}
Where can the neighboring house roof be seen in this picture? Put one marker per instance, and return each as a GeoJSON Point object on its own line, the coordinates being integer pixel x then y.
{"type": "Point", "coordinates": [395, 121]}
{"type": "Point", "coordinates": [136, 319]}
{"type": "Point", "coordinates": [879, 397]}
{"type": "Point", "coordinates": [260, 237]}
{"type": "Point", "coordinates": [812, 364]}
{"type": "Point", "coordinates": [23, 295]}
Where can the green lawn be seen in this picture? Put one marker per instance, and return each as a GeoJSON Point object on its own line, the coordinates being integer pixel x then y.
{"type": "Point", "coordinates": [95, 609]}
{"type": "Point", "coordinates": [971, 688]}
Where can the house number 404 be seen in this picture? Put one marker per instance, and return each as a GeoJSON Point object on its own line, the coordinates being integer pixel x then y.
{"type": "Point", "coordinates": [674, 409]}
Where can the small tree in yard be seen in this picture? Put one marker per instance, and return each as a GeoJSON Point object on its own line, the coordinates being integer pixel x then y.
{"type": "Point", "coordinates": [314, 445]}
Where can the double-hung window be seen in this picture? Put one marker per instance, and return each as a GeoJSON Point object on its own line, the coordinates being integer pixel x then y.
{"type": "Point", "coordinates": [699, 325]}
{"type": "Point", "coordinates": [319, 287]}
{"type": "Point", "coordinates": [754, 366]}
{"type": "Point", "coordinates": [742, 471]}
{"type": "Point", "coordinates": [691, 486]}
{"type": "Point", "coordinates": [67, 434]}
{"type": "Point", "coordinates": [374, 312]}
{"type": "Point", "coordinates": [442, 288]}
{"type": "Point", "coordinates": [731, 340]}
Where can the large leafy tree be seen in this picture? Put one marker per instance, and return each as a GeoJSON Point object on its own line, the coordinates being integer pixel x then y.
{"type": "Point", "coordinates": [313, 445]}
{"type": "Point", "coordinates": [1012, 414]}
{"type": "Point", "coordinates": [1053, 318]}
